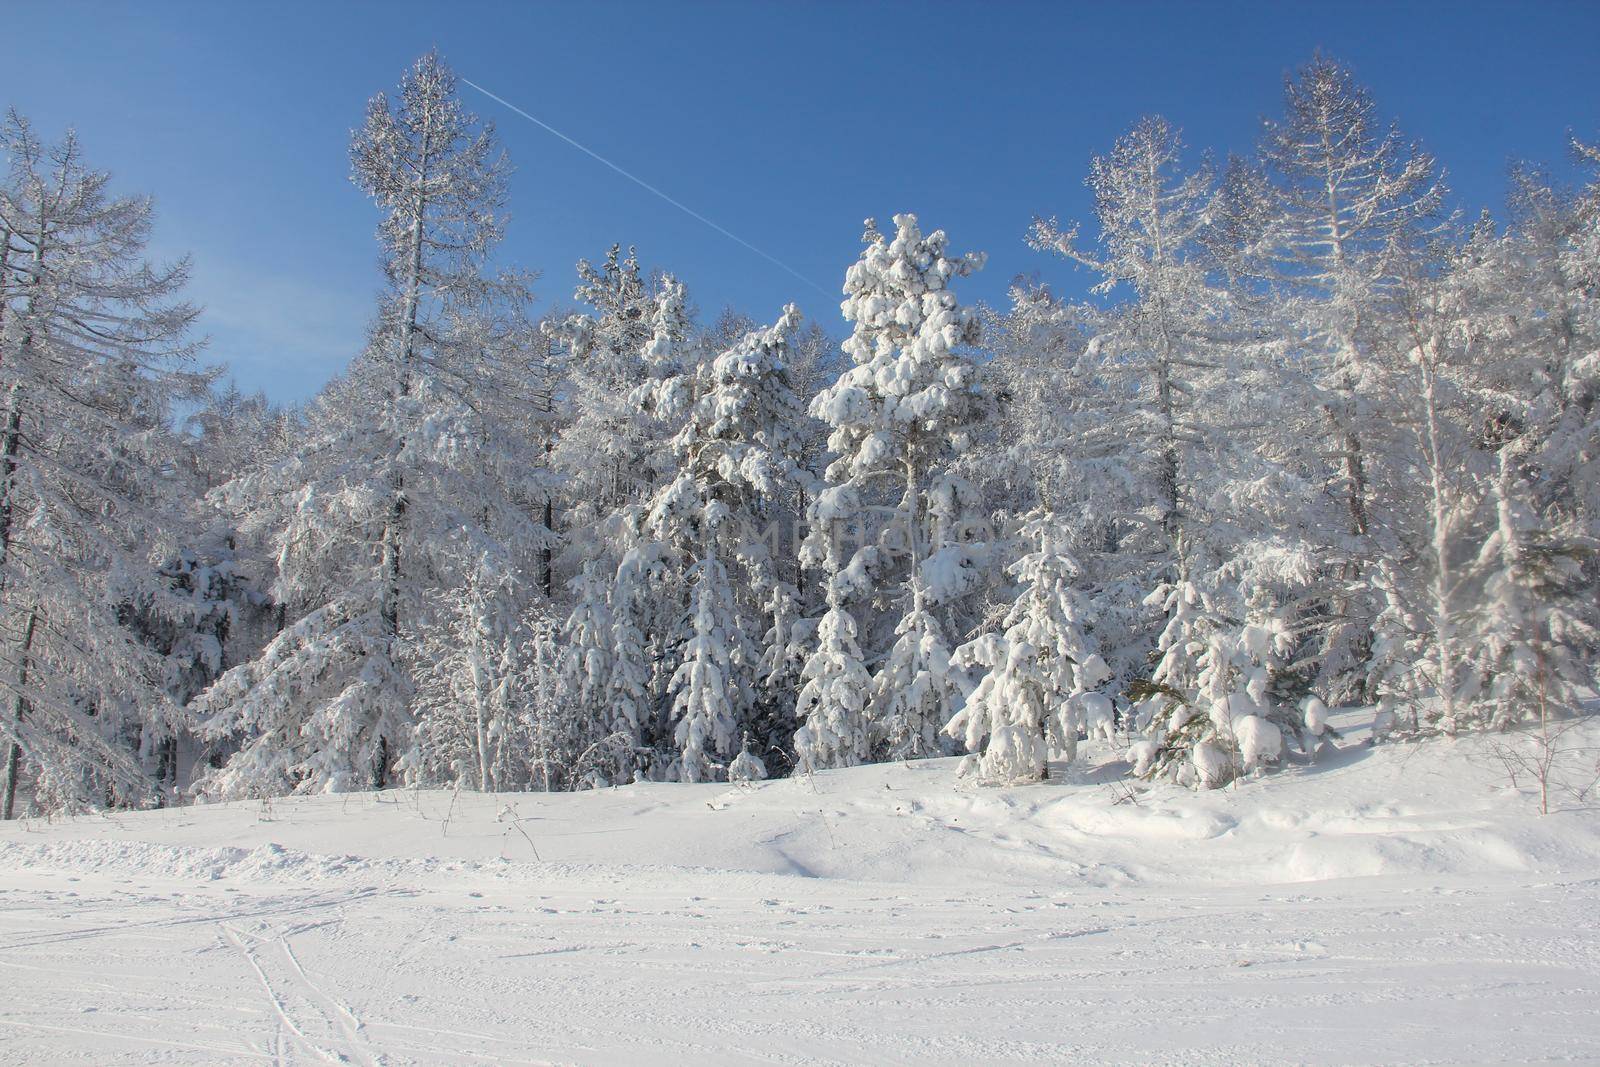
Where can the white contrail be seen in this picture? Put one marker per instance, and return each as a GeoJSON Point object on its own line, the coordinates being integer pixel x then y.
{"type": "Point", "coordinates": [586, 150]}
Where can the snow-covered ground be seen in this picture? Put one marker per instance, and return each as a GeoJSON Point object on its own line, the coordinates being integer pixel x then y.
{"type": "Point", "coordinates": [1390, 905]}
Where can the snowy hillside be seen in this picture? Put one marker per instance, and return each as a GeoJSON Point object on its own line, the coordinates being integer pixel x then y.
{"type": "Point", "coordinates": [1392, 904]}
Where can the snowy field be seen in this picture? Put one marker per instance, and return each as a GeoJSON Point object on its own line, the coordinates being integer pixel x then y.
{"type": "Point", "coordinates": [1391, 905]}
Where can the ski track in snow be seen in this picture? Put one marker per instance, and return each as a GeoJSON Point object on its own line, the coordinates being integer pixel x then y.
{"type": "Point", "coordinates": [1388, 906]}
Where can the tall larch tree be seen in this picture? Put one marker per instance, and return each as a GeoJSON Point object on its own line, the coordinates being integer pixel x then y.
{"type": "Point", "coordinates": [404, 484]}
{"type": "Point", "coordinates": [1337, 198]}
{"type": "Point", "coordinates": [1166, 339]}
{"type": "Point", "coordinates": [94, 354]}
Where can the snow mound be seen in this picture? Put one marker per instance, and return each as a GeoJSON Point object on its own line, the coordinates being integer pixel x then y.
{"type": "Point", "coordinates": [909, 823]}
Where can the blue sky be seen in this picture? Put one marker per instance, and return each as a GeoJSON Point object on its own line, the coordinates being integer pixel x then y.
{"type": "Point", "coordinates": [785, 123]}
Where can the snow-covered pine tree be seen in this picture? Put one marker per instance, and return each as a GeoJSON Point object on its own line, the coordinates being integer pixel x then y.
{"type": "Point", "coordinates": [631, 366]}
{"type": "Point", "coordinates": [900, 418]}
{"type": "Point", "coordinates": [93, 357]}
{"type": "Point", "coordinates": [1212, 711]}
{"type": "Point", "coordinates": [834, 690]}
{"type": "Point", "coordinates": [1038, 670]}
{"type": "Point", "coordinates": [611, 449]}
{"type": "Point", "coordinates": [736, 455]}
{"type": "Point", "coordinates": [556, 755]}
{"type": "Point", "coordinates": [587, 657]}
{"type": "Point", "coordinates": [635, 691]}
{"type": "Point", "coordinates": [708, 697]}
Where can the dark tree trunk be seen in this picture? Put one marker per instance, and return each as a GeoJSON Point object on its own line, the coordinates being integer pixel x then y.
{"type": "Point", "coordinates": [19, 709]}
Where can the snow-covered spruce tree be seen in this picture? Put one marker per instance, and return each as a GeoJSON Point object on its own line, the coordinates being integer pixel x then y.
{"type": "Point", "coordinates": [787, 592]}
{"type": "Point", "coordinates": [636, 690]}
{"type": "Point", "coordinates": [1229, 651]}
{"type": "Point", "coordinates": [586, 645]}
{"type": "Point", "coordinates": [403, 483]}
{"type": "Point", "coordinates": [554, 753]}
{"type": "Point", "coordinates": [213, 619]}
{"type": "Point", "coordinates": [93, 357]}
{"type": "Point", "coordinates": [610, 451]}
{"type": "Point", "coordinates": [707, 695]}
{"type": "Point", "coordinates": [587, 665]}
{"type": "Point", "coordinates": [1212, 710]}
{"type": "Point", "coordinates": [1335, 198]}
{"type": "Point", "coordinates": [610, 339]}
{"type": "Point", "coordinates": [815, 360]}
{"type": "Point", "coordinates": [913, 688]}
{"type": "Point", "coordinates": [736, 454]}
{"type": "Point", "coordinates": [1059, 444]}
{"type": "Point", "coordinates": [834, 689]}
{"type": "Point", "coordinates": [629, 406]}
{"type": "Point", "coordinates": [1039, 671]}
{"type": "Point", "coordinates": [765, 433]}
{"type": "Point", "coordinates": [784, 647]}
{"type": "Point", "coordinates": [900, 417]}
{"type": "Point", "coordinates": [793, 597]}
{"type": "Point", "coordinates": [662, 392]}
{"type": "Point", "coordinates": [625, 406]}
